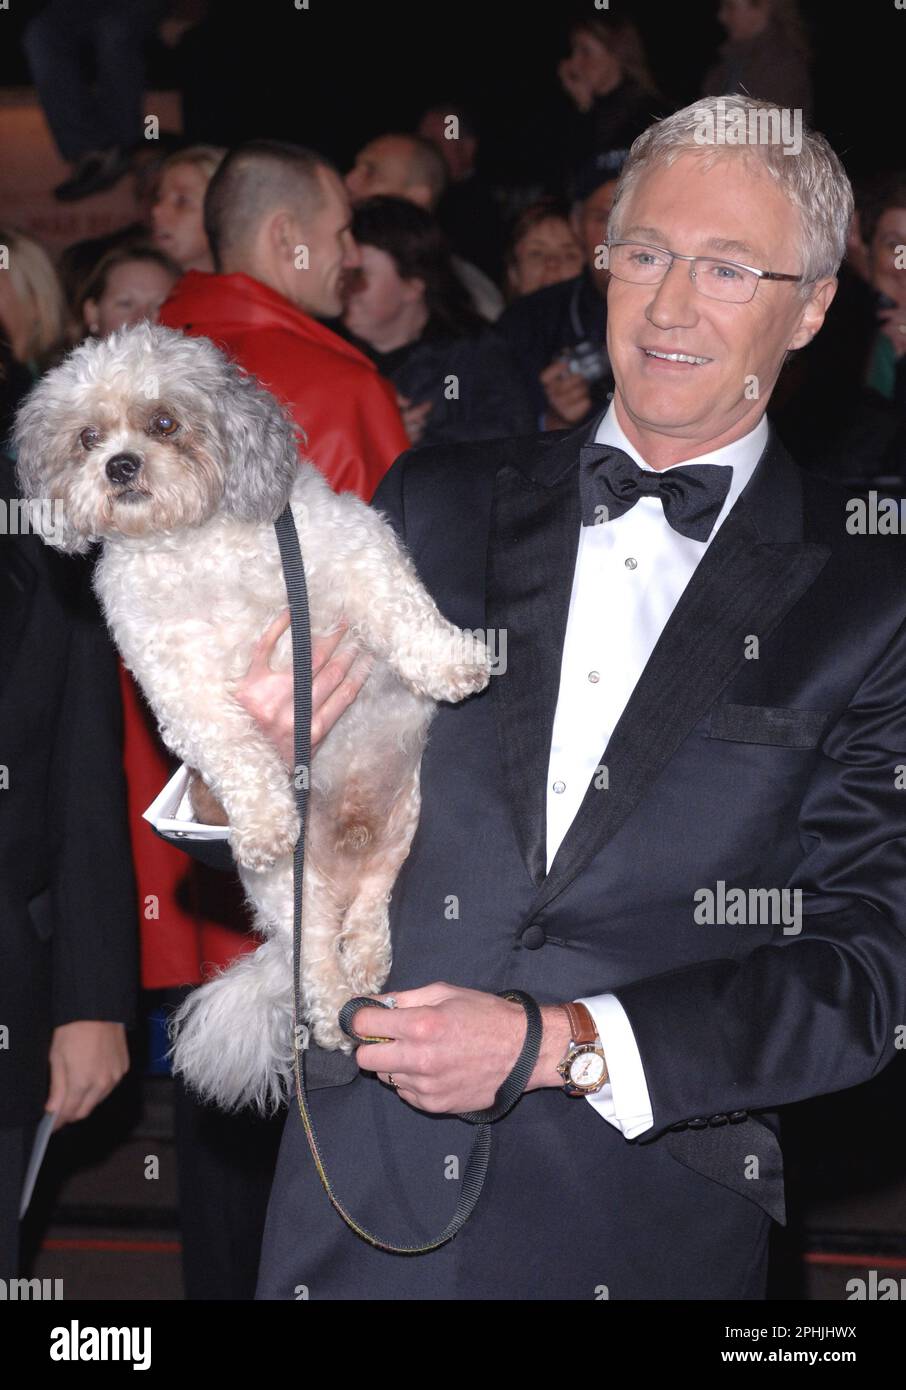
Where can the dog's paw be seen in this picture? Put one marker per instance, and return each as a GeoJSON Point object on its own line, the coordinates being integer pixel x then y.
{"type": "Point", "coordinates": [259, 847]}
{"type": "Point", "coordinates": [467, 673]}
{"type": "Point", "coordinates": [368, 979]}
{"type": "Point", "coordinates": [366, 954]}
{"type": "Point", "coordinates": [445, 663]}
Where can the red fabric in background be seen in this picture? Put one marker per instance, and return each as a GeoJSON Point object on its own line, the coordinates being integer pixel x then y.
{"type": "Point", "coordinates": [353, 428]}
{"type": "Point", "coordinates": [203, 921]}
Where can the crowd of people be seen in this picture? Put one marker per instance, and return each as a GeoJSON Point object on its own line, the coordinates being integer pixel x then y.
{"type": "Point", "coordinates": [419, 315]}
{"type": "Point", "coordinates": [533, 306]}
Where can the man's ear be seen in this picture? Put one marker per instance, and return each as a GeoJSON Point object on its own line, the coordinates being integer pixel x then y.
{"type": "Point", "coordinates": [281, 233]}
{"type": "Point", "coordinates": [814, 310]}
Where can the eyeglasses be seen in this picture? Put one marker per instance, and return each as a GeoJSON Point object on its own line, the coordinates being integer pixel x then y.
{"type": "Point", "coordinates": [725, 280]}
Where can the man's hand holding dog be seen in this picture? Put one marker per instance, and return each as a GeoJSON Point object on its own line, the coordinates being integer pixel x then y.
{"type": "Point", "coordinates": [267, 695]}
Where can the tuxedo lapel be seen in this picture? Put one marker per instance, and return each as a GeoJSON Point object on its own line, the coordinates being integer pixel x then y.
{"type": "Point", "coordinates": [534, 537]}
{"type": "Point", "coordinates": [755, 570]}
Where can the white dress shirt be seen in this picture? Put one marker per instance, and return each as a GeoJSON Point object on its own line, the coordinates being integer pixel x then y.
{"type": "Point", "coordinates": [629, 575]}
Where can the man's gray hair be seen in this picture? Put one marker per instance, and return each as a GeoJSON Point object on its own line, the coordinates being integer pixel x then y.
{"type": "Point", "coordinates": [812, 177]}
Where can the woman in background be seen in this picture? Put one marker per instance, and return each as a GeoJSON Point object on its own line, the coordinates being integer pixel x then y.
{"type": "Point", "coordinates": [607, 78]}
{"type": "Point", "coordinates": [766, 54]}
{"type": "Point", "coordinates": [407, 309]}
{"type": "Point", "coordinates": [129, 285]}
{"type": "Point", "coordinates": [543, 249]}
{"type": "Point", "coordinates": [32, 321]}
{"type": "Point", "coordinates": [177, 214]}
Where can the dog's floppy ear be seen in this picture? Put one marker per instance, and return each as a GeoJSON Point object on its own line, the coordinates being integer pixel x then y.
{"type": "Point", "coordinates": [260, 447]}
{"type": "Point", "coordinates": [34, 442]}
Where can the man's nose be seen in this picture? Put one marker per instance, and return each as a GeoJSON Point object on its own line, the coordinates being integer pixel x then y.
{"type": "Point", "coordinates": [674, 301]}
{"type": "Point", "coordinates": [122, 468]}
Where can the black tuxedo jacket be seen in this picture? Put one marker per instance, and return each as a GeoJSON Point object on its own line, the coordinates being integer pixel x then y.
{"type": "Point", "coordinates": [68, 938]}
{"type": "Point", "coordinates": [776, 769]}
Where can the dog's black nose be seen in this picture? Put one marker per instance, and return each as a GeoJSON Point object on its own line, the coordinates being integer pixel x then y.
{"type": "Point", "coordinates": [122, 468]}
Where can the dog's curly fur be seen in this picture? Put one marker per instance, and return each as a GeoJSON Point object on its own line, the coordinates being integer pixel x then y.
{"type": "Point", "coordinates": [179, 462]}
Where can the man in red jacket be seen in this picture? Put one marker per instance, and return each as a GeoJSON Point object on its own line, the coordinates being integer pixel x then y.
{"type": "Point", "coordinates": [277, 217]}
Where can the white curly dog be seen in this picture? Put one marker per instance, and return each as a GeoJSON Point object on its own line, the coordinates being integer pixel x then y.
{"type": "Point", "coordinates": [179, 462]}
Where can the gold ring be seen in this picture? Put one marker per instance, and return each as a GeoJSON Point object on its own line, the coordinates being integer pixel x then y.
{"type": "Point", "coordinates": [390, 1081]}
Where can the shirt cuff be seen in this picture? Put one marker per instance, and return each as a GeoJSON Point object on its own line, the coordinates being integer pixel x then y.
{"type": "Point", "coordinates": [624, 1101]}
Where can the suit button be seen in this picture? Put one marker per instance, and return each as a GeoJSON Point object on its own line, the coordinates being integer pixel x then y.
{"type": "Point", "coordinates": [736, 1117]}
{"type": "Point", "coordinates": [680, 1124]}
{"type": "Point", "coordinates": [533, 937]}
{"type": "Point", "coordinates": [717, 1120]}
{"type": "Point", "coordinates": [698, 1123]}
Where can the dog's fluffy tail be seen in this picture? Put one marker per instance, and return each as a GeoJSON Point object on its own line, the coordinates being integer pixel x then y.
{"type": "Point", "coordinates": [233, 1037]}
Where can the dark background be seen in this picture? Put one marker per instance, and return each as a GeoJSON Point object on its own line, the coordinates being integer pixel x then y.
{"type": "Point", "coordinates": [344, 70]}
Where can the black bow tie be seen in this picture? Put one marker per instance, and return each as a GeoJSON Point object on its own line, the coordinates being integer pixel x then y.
{"type": "Point", "coordinates": [610, 483]}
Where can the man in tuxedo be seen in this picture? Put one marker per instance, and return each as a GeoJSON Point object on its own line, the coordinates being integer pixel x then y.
{"type": "Point", "coordinates": [68, 941]}
{"type": "Point", "coordinates": [702, 705]}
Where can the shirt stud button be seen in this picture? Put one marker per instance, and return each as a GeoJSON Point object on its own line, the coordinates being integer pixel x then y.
{"type": "Point", "coordinates": [594, 677]}
{"type": "Point", "coordinates": [559, 786]}
{"type": "Point", "coordinates": [631, 563]}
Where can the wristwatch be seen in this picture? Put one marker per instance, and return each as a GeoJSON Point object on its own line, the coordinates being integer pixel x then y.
{"type": "Point", "coordinates": [584, 1067]}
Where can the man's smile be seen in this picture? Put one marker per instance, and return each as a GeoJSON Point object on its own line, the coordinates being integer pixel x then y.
{"type": "Point", "coordinates": [661, 359]}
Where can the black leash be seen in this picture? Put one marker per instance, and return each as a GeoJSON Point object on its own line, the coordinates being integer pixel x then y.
{"type": "Point", "coordinates": [514, 1084]}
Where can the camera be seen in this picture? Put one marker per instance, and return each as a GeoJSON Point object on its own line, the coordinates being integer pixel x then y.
{"type": "Point", "coordinates": [588, 360]}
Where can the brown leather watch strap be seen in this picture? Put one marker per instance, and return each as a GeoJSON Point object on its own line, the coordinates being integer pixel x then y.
{"type": "Point", "coordinates": [581, 1024]}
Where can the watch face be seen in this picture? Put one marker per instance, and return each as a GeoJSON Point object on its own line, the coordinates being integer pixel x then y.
{"type": "Point", "coordinates": [587, 1069]}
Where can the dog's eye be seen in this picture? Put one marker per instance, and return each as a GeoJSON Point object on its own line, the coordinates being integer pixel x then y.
{"type": "Point", "coordinates": [164, 424]}
{"type": "Point", "coordinates": [90, 438]}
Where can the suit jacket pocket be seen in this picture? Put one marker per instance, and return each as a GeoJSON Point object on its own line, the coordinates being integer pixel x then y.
{"type": "Point", "coordinates": [323, 1069]}
{"type": "Point", "coordinates": [745, 1158]}
{"type": "Point", "coordinates": [40, 911]}
{"type": "Point", "coordinates": [786, 728]}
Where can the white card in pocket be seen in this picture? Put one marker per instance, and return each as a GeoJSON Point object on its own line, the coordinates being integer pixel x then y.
{"type": "Point", "coordinates": [171, 812]}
